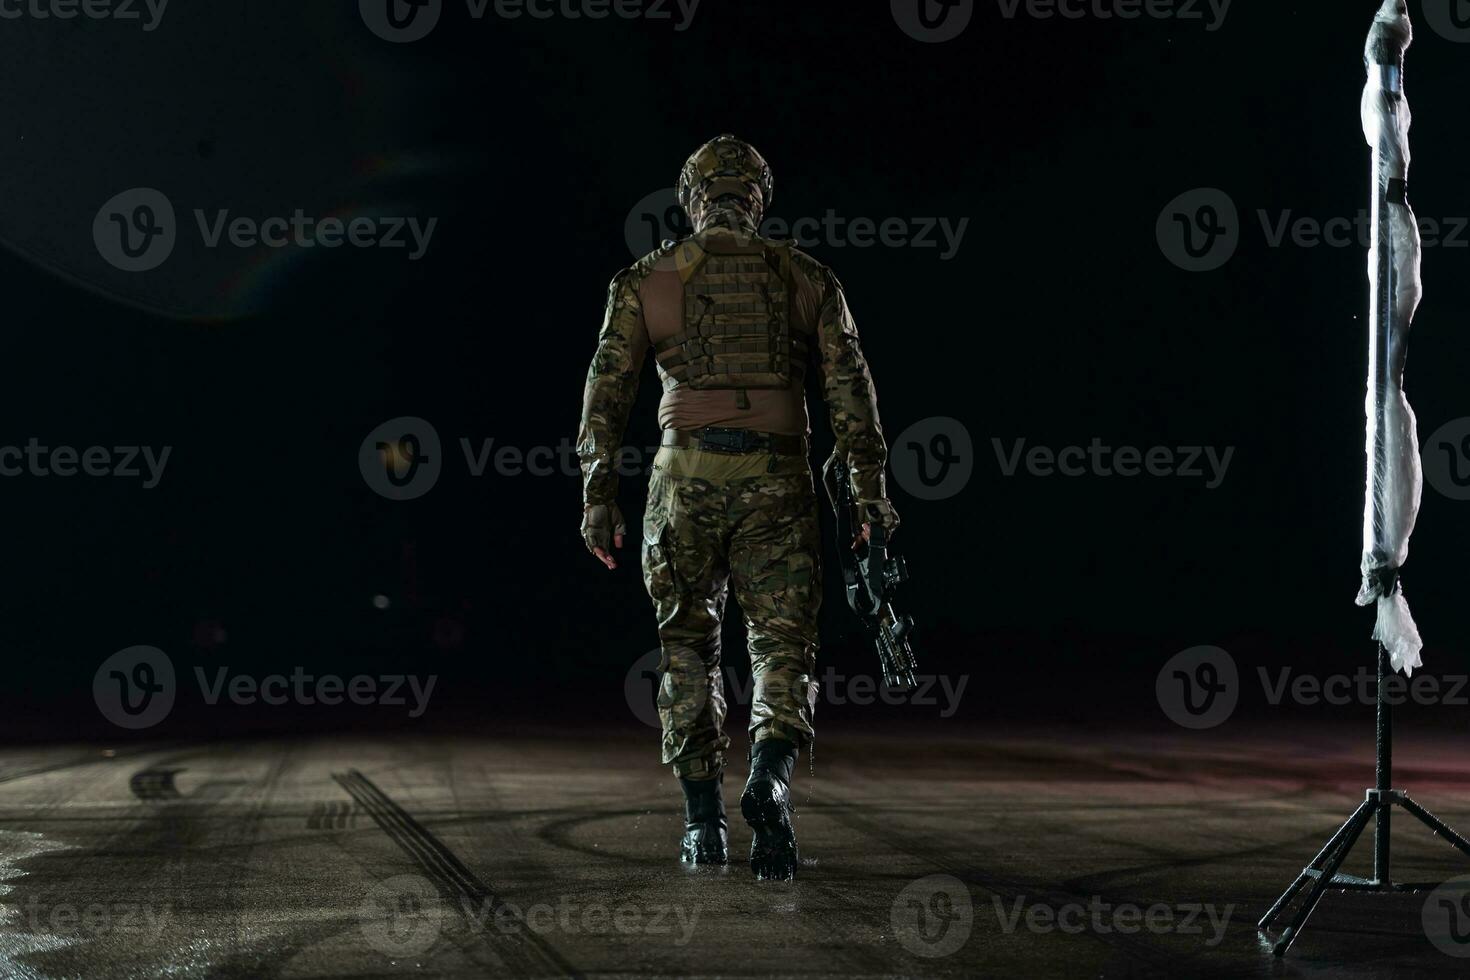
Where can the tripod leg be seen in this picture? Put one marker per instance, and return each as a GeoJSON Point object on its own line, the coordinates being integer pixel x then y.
{"type": "Point", "coordinates": [1324, 877]}
{"type": "Point", "coordinates": [1314, 865]}
{"type": "Point", "coordinates": [1435, 824]}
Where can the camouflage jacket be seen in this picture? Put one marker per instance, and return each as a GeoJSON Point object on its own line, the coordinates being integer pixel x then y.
{"type": "Point", "coordinates": [846, 384]}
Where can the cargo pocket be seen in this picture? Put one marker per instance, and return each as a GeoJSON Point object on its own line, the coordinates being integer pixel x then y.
{"type": "Point", "coordinates": [658, 575]}
{"type": "Point", "coordinates": [657, 571]}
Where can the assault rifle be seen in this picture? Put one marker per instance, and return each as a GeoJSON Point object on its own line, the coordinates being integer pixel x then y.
{"type": "Point", "coordinates": [869, 577]}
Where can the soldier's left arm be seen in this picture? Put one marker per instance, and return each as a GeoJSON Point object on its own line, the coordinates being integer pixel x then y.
{"type": "Point", "coordinates": [607, 401]}
{"type": "Point", "coordinates": [852, 404]}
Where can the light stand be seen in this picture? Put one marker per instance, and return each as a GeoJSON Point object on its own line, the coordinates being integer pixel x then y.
{"type": "Point", "coordinates": [1393, 476]}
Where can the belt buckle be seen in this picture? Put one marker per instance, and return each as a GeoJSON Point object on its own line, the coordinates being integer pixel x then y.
{"type": "Point", "coordinates": [725, 440]}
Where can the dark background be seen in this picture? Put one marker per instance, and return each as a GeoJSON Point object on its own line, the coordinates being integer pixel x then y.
{"type": "Point", "coordinates": [1059, 320]}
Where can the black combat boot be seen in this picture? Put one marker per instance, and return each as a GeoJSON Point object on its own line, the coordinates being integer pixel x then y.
{"type": "Point", "coordinates": [766, 806]}
{"type": "Point", "coordinates": [706, 838]}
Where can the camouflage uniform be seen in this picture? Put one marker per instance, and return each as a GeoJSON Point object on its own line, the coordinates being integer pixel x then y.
{"type": "Point", "coordinates": [718, 519]}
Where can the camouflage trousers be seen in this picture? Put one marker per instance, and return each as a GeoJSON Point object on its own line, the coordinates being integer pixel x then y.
{"type": "Point", "coordinates": [715, 521]}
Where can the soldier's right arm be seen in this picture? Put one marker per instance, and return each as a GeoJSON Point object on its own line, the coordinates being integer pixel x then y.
{"type": "Point", "coordinates": [612, 387]}
{"type": "Point", "coordinates": [852, 404]}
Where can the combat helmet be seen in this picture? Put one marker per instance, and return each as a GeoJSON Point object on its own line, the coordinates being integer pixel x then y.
{"type": "Point", "coordinates": [726, 165]}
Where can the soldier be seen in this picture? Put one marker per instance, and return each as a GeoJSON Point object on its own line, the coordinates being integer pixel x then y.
{"type": "Point", "coordinates": [733, 321]}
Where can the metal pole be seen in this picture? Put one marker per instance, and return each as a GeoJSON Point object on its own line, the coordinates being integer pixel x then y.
{"type": "Point", "coordinates": [1386, 116]}
{"type": "Point", "coordinates": [1384, 783]}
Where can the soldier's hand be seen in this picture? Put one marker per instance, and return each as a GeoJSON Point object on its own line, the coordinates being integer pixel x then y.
{"type": "Point", "coordinates": [603, 529]}
{"type": "Point", "coordinates": [879, 512]}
